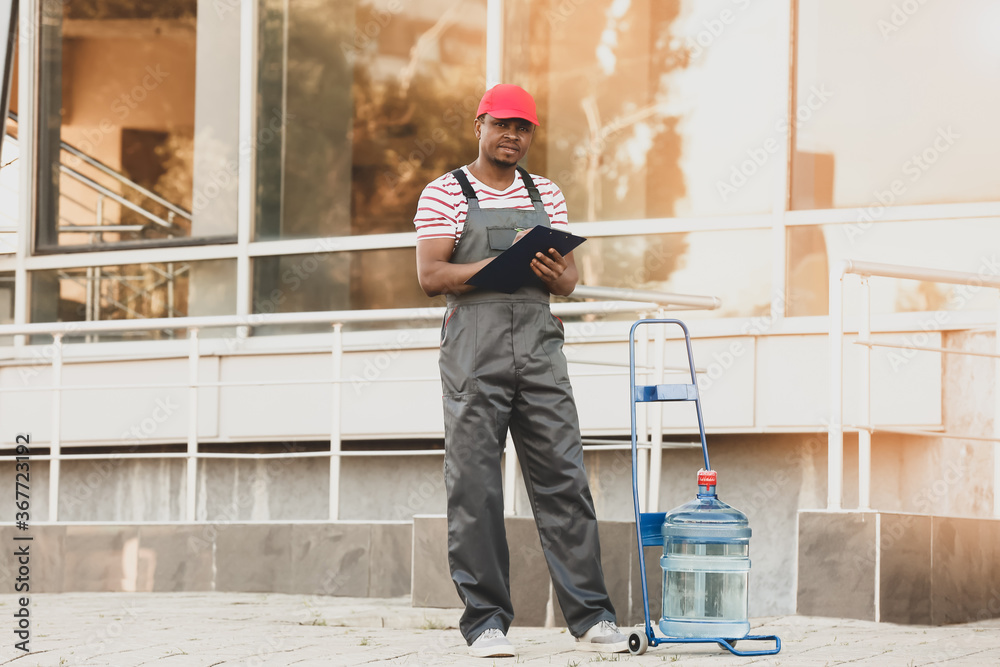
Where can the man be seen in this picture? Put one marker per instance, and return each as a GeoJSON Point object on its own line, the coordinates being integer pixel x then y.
{"type": "Point", "coordinates": [502, 366]}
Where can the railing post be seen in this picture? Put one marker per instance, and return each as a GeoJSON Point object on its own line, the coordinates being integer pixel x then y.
{"type": "Point", "coordinates": [642, 422]}
{"type": "Point", "coordinates": [88, 302]}
{"type": "Point", "coordinates": [335, 421]}
{"type": "Point", "coordinates": [170, 289]}
{"type": "Point", "coordinates": [656, 420]}
{"type": "Point", "coordinates": [192, 438]}
{"type": "Point", "coordinates": [835, 439]}
{"type": "Point", "coordinates": [96, 305]}
{"type": "Point", "coordinates": [55, 445]}
{"type": "Point", "coordinates": [996, 420]}
{"type": "Point", "coordinates": [864, 399]}
{"type": "Point", "coordinates": [92, 294]}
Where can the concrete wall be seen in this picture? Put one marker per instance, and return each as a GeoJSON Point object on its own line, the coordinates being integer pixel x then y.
{"type": "Point", "coordinates": [339, 558]}
{"type": "Point", "coordinates": [961, 484]}
{"type": "Point", "coordinates": [901, 568]}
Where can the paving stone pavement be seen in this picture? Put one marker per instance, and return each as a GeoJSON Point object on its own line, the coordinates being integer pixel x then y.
{"type": "Point", "coordinates": [210, 629]}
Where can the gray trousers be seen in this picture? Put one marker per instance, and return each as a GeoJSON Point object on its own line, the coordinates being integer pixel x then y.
{"type": "Point", "coordinates": [502, 366]}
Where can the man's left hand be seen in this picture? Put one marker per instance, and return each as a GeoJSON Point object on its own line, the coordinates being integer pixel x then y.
{"type": "Point", "coordinates": [549, 267]}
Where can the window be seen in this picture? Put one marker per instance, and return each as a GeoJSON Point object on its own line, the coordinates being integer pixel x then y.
{"type": "Point", "coordinates": [138, 115]}
{"type": "Point", "coordinates": [361, 104]}
{"type": "Point", "coordinates": [686, 264]}
{"type": "Point", "coordinates": [8, 61]}
{"type": "Point", "coordinates": [136, 291]}
{"type": "Point", "coordinates": [906, 98]}
{"type": "Point", "coordinates": [653, 109]}
{"type": "Point", "coordinates": [358, 280]}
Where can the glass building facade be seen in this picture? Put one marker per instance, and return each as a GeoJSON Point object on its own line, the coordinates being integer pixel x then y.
{"type": "Point", "coordinates": [203, 157]}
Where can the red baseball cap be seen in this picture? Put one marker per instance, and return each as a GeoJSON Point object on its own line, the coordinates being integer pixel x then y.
{"type": "Point", "coordinates": [506, 100]}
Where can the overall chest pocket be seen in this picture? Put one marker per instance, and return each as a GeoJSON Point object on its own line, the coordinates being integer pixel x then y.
{"type": "Point", "coordinates": [500, 238]}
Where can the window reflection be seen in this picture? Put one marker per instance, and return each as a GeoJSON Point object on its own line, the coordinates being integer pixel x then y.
{"type": "Point", "coordinates": [117, 106]}
{"type": "Point", "coordinates": [900, 122]}
{"type": "Point", "coordinates": [359, 280]}
{"type": "Point", "coordinates": [6, 303]}
{"type": "Point", "coordinates": [6, 297]}
{"type": "Point", "coordinates": [652, 108]}
{"type": "Point", "coordinates": [808, 272]}
{"type": "Point", "coordinates": [957, 245]}
{"type": "Point", "coordinates": [732, 265]}
{"type": "Point", "coordinates": [134, 291]}
{"type": "Point", "coordinates": [10, 183]}
{"type": "Point", "coordinates": [379, 98]}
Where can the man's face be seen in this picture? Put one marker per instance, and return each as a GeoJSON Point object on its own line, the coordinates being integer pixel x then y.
{"type": "Point", "coordinates": [504, 141]}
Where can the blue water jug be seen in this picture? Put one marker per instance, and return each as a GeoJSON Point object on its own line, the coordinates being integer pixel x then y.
{"type": "Point", "coordinates": [706, 563]}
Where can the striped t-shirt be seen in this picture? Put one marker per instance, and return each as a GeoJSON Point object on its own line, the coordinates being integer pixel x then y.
{"type": "Point", "coordinates": [442, 208]}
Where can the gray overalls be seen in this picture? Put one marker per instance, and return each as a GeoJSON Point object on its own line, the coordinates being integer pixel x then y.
{"type": "Point", "coordinates": [502, 365]}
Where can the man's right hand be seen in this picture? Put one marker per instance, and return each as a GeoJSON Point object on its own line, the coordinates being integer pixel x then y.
{"type": "Point", "coordinates": [436, 273]}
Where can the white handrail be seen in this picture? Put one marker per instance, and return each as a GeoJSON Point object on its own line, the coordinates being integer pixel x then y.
{"type": "Point", "coordinates": [318, 454]}
{"type": "Point", "coordinates": [928, 348]}
{"type": "Point", "coordinates": [414, 315]}
{"type": "Point", "coordinates": [915, 273]}
{"type": "Point", "coordinates": [835, 448]}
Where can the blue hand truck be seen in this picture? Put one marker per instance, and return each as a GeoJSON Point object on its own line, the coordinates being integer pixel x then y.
{"type": "Point", "coordinates": [648, 524]}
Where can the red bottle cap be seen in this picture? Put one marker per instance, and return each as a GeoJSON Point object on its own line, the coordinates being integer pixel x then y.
{"type": "Point", "coordinates": [707, 478]}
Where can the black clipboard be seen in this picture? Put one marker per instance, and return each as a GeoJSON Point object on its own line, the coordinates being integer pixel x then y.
{"type": "Point", "coordinates": [510, 269]}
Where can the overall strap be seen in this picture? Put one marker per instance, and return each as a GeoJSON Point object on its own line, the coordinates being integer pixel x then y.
{"type": "Point", "coordinates": [536, 198]}
{"type": "Point", "coordinates": [470, 194]}
{"type": "Point", "coordinates": [467, 191]}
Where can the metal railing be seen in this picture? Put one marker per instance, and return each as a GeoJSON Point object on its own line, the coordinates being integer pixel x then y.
{"type": "Point", "coordinates": [105, 193]}
{"type": "Point", "coordinates": [133, 287]}
{"type": "Point", "coordinates": [126, 181]}
{"type": "Point", "coordinates": [336, 320]}
{"type": "Point", "coordinates": [835, 451]}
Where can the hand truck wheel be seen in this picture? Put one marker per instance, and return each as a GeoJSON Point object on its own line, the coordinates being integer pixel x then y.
{"type": "Point", "coordinates": [638, 642]}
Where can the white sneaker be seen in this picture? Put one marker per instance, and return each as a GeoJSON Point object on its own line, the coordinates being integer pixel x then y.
{"type": "Point", "coordinates": [604, 637]}
{"type": "Point", "coordinates": [492, 644]}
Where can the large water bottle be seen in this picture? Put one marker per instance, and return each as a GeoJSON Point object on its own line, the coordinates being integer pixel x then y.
{"type": "Point", "coordinates": [706, 562]}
